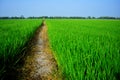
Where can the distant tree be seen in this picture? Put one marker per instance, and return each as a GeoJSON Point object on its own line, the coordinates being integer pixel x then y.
{"type": "Point", "coordinates": [22, 17]}
{"type": "Point", "coordinates": [30, 17]}
{"type": "Point", "coordinates": [117, 17]}
{"type": "Point", "coordinates": [4, 17]}
{"type": "Point", "coordinates": [45, 17]}
{"type": "Point", "coordinates": [15, 17]}
{"type": "Point", "coordinates": [93, 18]}
{"type": "Point", "coordinates": [106, 17]}
{"type": "Point", "coordinates": [89, 17]}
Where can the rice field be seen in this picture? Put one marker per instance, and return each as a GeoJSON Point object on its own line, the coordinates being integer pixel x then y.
{"type": "Point", "coordinates": [86, 49]}
{"type": "Point", "coordinates": [14, 35]}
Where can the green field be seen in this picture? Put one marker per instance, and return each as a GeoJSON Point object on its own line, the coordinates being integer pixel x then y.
{"type": "Point", "coordinates": [14, 34]}
{"type": "Point", "coordinates": [86, 49]}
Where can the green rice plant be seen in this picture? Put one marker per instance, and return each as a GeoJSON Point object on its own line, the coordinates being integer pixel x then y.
{"type": "Point", "coordinates": [14, 35]}
{"type": "Point", "coordinates": [86, 49]}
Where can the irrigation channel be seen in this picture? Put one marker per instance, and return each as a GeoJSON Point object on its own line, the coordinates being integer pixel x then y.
{"type": "Point", "coordinates": [39, 64]}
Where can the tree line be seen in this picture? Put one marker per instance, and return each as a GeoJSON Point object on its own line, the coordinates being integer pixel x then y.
{"type": "Point", "coordinates": [60, 17]}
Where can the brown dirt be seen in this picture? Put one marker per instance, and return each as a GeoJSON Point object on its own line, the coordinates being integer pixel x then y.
{"type": "Point", "coordinates": [39, 63]}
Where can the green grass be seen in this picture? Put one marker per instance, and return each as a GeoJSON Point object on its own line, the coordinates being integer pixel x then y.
{"type": "Point", "coordinates": [14, 34]}
{"type": "Point", "coordinates": [86, 49]}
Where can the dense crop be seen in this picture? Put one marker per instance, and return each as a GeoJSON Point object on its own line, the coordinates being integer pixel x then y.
{"type": "Point", "coordinates": [14, 35]}
{"type": "Point", "coordinates": [86, 49]}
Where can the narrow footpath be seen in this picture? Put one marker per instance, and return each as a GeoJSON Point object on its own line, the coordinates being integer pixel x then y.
{"type": "Point", "coordinates": [39, 62]}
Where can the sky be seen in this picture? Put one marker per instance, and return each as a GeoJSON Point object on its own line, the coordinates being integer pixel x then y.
{"type": "Point", "coordinates": [84, 8]}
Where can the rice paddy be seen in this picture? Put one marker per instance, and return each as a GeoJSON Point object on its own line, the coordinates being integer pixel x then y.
{"type": "Point", "coordinates": [14, 35]}
{"type": "Point", "coordinates": [86, 49]}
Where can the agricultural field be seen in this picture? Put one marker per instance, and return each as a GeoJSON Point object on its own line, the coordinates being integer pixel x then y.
{"type": "Point", "coordinates": [86, 49]}
{"type": "Point", "coordinates": [14, 35]}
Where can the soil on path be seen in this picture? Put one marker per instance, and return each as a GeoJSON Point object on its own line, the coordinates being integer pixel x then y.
{"type": "Point", "coordinates": [39, 62]}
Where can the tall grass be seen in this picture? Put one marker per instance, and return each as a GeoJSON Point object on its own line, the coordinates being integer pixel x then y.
{"type": "Point", "coordinates": [86, 49]}
{"type": "Point", "coordinates": [14, 35]}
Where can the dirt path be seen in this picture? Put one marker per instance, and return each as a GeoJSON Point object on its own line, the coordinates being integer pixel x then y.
{"type": "Point", "coordinates": [39, 63]}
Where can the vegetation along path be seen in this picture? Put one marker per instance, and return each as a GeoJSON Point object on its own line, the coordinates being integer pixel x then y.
{"type": "Point", "coordinates": [39, 62]}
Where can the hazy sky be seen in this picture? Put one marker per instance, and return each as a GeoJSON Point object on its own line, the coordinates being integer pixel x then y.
{"type": "Point", "coordinates": [60, 8]}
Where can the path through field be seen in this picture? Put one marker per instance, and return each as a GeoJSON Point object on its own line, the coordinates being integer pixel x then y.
{"type": "Point", "coordinates": [39, 63]}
